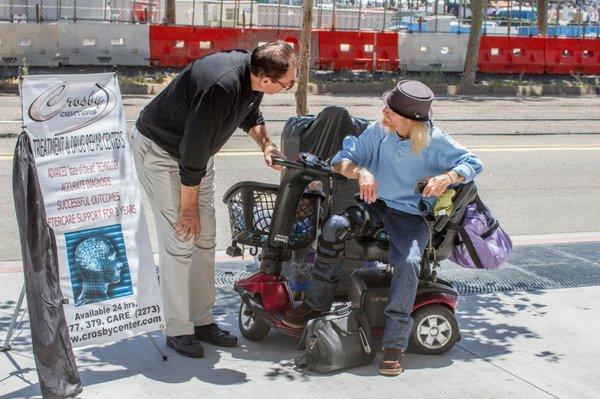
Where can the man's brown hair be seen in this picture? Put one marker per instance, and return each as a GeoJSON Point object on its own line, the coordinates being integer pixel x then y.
{"type": "Point", "coordinates": [272, 60]}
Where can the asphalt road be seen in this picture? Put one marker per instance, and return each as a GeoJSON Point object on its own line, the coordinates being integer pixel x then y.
{"type": "Point", "coordinates": [541, 157]}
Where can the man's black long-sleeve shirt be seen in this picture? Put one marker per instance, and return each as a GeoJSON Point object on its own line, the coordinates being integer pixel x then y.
{"type": "Point", "coordinates": [195, 115]}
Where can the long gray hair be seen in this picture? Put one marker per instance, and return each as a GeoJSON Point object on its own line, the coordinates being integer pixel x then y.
{"type": "Point", "coordinates": [419, 135]}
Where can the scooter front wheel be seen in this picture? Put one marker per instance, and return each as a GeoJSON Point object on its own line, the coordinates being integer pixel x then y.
{"type": "Point", "coordinates": [252, 326]}
{"type": "Point", "coordinates": [435, 330]}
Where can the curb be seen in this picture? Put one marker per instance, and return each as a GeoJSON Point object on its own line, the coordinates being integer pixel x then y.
{"type": "Point", "coordinates": [493, 88]}
{"type": "Point", "coordinates": [147, 89]}
{"type": "Point", "coordinates": [16, 266]}
{"type": "Point", "coordinates": [376, 88]}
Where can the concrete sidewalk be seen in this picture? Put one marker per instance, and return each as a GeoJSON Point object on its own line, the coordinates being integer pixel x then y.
{"type": "Point", "coordinates": [536, 344]}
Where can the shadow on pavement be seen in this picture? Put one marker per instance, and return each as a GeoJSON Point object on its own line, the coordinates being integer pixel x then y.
{"type": "Point", "coordinates": [482, 338]}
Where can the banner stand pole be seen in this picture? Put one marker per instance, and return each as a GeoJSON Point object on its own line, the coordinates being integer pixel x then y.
{"type": "Point", "coordinates": [14, 325]}
{"type": "Point", "coordinates": [158, 349]}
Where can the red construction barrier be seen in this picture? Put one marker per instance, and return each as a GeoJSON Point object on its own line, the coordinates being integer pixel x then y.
{"type": "Point", "coordinates": [167, 45]}
{"type": "Point", "coordinates": [253, 37]}
{"type": "Point", "coordinates": [177, 46]}
{"type": "Point", "coordinates": [500, 54]}
{"type": "Point", "coordinates": [250, 38]}
{"type": "Point", "coordinates": [357, 50]}
{"type": "Point", "coordinates": [212, 40]}
{"type": "Point", "coordinates": [565, 56]}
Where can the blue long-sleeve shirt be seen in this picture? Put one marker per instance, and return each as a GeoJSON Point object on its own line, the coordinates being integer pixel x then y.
{"type": "Point", "coordinates": [397, 169]}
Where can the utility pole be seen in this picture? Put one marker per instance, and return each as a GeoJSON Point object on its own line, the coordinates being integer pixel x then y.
{"type": "Point", "coordinates": [304, 64]}
{"type": "Point", "coordinates": [468, 78]}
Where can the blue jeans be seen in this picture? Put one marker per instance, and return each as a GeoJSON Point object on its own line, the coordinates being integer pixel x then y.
{"type": "Point", "coordinates": [409, 235]}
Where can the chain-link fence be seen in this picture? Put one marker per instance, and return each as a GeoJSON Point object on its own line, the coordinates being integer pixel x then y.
{"type": "Point", "coordinates": [133, 11]}
{"type": "Point", "coordinates": [339, 14]}
{"type": "Point", "coordinates": [571, 18]}
{"type": "Point", "coordinates": [576, 18]}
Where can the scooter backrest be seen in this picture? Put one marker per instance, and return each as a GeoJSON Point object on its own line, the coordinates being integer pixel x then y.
{"type": "Point", "coordinates": [444, 238]}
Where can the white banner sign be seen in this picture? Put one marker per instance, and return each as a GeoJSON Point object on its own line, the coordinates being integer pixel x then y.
{"type": "Point", "coordinates": [82, 153]}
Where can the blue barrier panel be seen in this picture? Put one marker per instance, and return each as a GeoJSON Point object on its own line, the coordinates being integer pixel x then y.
{"type": "Point", "coordinates": [415, 27]}
{"type": "Point", "coordinates": [566, 31]}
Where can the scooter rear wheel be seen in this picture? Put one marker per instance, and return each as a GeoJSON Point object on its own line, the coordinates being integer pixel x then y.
{"type": "Point", "coordinates": [252, 326]}
{"type": "Point", "coordinates": [435, 330]}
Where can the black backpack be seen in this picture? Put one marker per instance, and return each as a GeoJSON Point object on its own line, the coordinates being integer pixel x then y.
{"type": "Point", "coordinates": [336, 341]}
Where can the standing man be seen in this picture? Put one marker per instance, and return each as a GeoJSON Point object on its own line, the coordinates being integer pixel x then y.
{"type": "Point", "coordinates": [174, 140]}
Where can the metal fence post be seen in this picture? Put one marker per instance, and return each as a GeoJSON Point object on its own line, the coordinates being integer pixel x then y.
{"type": "Point", "coordinates": [484, 26]}
{"type": "Point", "coordinates": [509, 16]}
{"type": "Point", "coordinates": [235, 11]}
{"type": "Point", "coordinates": [556, 20]}
{"type": "Point", "coordinates": [597, 21]}
{"type": "Point", "coordinates": [151, 19]}
{"type": "Point", "coordinates": [74, 10]}
{"type": "Point", "coordinates": [221, 15]}
{"type": "Point", "coordinates": [435, 4]}
{"type": "Point", "coordinates": [531, 26]}
{"type": "Point", "coordinates": [359, 12]}
{"type": "Point", "coordinates": [411, 16]}
{"type": "Point", "coordinates": [333, 15]}
{"type": "Point", "coordinates": [384, 16]}
{"type": "Point", "coordinates": [320, 15]}
{"type": "Point", "coordinates": [459, 16]}
{"type": "Point", "coordinates": [251, 12]}
{"type": "Point", "coordinates": [521, 17]}
{"type": "Point", "coordinates": [580, 16]}
{"type": "Point", "coordinates": [194, 13]}
{"type": "Point", "coordinates": [278, 14]}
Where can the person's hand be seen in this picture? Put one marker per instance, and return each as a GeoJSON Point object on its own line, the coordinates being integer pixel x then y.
{"type": "Point", "coordinates": [316, 185]}
{"type": "Point", "coordinates": [367, 185]}
{"type": "Point", "coordinates": [270, 152]}
{"type": "Point", "coordinates": [437, 185]}
{"type": "Point", "coordinates": [188, 225]}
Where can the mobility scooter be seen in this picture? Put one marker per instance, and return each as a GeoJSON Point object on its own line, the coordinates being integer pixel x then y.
{"type": "Point", "coordinates": [285, 218]}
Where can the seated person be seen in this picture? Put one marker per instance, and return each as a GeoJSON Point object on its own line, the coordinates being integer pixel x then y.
{"type": "Point", "coordinates": [388, 159]}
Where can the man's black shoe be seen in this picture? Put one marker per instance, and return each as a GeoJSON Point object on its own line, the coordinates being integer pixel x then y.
{"type": "Point", "coordinates": [186, 345]}
{"type": "Point", "coordinates": [212, 334]}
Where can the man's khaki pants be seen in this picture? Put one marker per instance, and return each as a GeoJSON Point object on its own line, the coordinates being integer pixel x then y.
{"type": "Point", "coordinates": [186, 268]}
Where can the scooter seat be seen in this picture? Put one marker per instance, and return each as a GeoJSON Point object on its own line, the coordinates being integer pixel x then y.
{"type": "Point", "coordinates": [374, 247]}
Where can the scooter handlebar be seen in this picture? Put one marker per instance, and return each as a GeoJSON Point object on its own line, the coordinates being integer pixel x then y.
{"type": "Point", "coordinates": [286, 163]}
{"type": "Point", "coordinates": [298, 165]}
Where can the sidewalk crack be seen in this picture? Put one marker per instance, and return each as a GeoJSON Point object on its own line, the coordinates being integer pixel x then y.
{"type": "Point", "coordinates": [507, 371]}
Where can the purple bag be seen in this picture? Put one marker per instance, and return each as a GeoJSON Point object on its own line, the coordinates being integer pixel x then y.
{"type": "Point", "coordinates": [483, 244]}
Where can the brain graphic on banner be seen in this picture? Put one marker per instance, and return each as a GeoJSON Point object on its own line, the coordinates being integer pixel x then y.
{"type": "Point", "coordinates": [92, 199]}
{"type": "Point", "coordinates": [98, 265]}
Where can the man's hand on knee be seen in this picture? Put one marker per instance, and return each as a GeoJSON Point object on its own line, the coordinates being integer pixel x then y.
{"type": "Point", "coordinates": [187, 226]}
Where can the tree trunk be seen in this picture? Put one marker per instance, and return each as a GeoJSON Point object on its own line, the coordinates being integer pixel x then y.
{"type": "Point", "coordinates": [542, 17]}
{"type": "Point", "coordinates": [468, 78]}
{"type": "Point", "coordinates": [304, 64]}
{"type": "Point", "coordinates": [169, 12]}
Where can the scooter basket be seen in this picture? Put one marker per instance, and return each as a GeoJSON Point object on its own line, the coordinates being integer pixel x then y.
{"type": "Point", "coordinates": [251, 206]}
